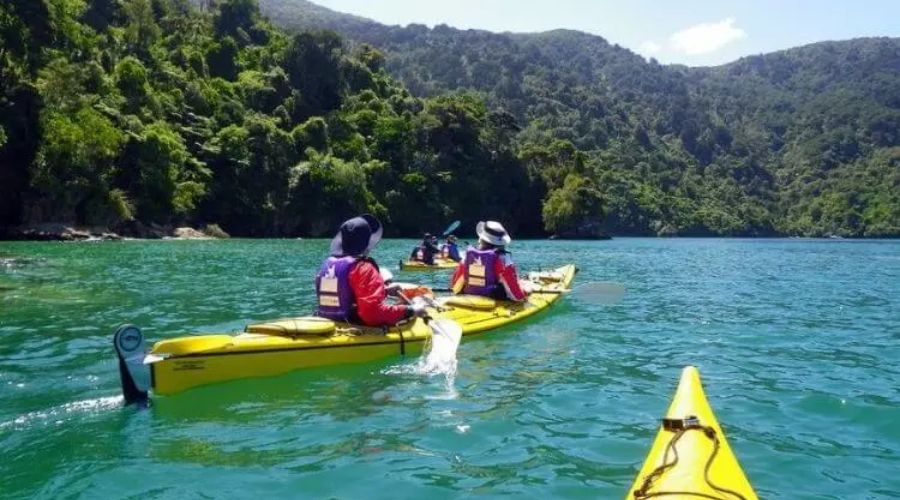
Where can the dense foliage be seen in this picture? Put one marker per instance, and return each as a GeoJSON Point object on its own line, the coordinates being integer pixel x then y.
{"type": "Point", "coordinates": [162, 112]}
{"type": "Point", "coordinates": [153, 111]}
{"type": "Point", "coordinates": [803, 141]}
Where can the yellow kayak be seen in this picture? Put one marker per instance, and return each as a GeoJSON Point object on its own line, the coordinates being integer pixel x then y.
{"type": "Point", "coordinates": [281, 346]}
{"type": "Point", "coordinates": [690, 457]}
{"type": "Point", "coordinates": [439, 264]}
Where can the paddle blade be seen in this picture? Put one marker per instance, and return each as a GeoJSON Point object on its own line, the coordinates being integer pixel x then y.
{"type": "Point", "coordinates": [600, 292]}
{"type": "Point", "coordinates": [441, 357]}
{"type": "Point", "coordinates": [448, 333]}
{"type": "Point", "coordinates": [452, 227]}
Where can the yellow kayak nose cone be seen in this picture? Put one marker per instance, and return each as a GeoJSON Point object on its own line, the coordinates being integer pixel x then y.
{"type": "Point", "coordinates": [690, 457]}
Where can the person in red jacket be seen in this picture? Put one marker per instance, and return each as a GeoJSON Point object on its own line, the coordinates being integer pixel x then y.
{"type": "Point", "coordinates": [488, 269]}
{"type": "Point", "coordinates": [349, 286]}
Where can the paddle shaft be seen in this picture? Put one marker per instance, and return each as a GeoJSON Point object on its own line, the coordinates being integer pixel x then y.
{"type": "Point", "coordinates": [596, 291]}
{"type": "Point", "coordinates": [552, 292]}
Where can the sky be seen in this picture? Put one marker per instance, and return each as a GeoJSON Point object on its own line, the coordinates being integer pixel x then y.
{"type": "Point", "coordinates": [691, 32]}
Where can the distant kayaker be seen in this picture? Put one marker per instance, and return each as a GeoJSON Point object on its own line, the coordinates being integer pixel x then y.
{"type": "Point", "coordinates": [488, 269]}
{"type": "Point", "coordinates": [349, 286]}
{"type": "Point", "coordinates": [426, 250]}
{"type": "Point", "coordinates": [449, 250]}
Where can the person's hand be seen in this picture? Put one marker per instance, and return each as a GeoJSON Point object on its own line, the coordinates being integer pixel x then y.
{"type": "Point", "coordinates": [392, 289]}
{"type": "Point", "coordinates": [418, 308]}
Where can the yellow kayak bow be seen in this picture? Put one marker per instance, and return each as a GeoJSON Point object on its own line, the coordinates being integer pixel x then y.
{"type": "Point", "coordinates": [690, 457]}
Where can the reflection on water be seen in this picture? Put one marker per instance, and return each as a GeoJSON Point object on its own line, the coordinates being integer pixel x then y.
{"type": "Point", "coordinates": [63, 414]}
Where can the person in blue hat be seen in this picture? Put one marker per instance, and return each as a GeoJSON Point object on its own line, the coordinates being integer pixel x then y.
{"type": "Point", "coordinates": [450, 250]}
{"type": "Point", "coordinates": [349, 286]}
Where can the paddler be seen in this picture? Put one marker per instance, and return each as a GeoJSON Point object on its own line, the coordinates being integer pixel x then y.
{"type": "Point", "coordinates": [488, 269]}
{"type": "Point", "coordinates": [349, 286]}
{"type": "Point", "coordinates": [426, 250]}
{"type": "Point", "coordinates": [449, 250]}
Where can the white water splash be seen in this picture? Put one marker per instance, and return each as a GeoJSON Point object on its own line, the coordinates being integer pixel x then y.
{"type": "Point", "coordinates": [433, 361]}
{"type": "Point", "coordinates": [60, 414]}
{"type": "Point", "coordinates": [438, 358]}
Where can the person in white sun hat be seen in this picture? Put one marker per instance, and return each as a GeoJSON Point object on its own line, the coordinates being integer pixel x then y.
{"type": "Point", "coordinates": [488, 269]}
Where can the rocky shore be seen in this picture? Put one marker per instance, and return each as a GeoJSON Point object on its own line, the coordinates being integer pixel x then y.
{"type": "Point", "coordinates": [589, 230]}
{"type": "Point", "coordinates": [127, 230]}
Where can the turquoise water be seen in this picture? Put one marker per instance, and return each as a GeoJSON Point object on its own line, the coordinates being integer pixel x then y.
{"type": "Point", "coordinates": [798, 343]}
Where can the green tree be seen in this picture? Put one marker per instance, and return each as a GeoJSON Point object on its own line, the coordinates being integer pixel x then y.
{"type": "Point", "coordinates": [573, 208]}
{"type": "Point", "coordinates": [75, 167]}
{"type": "Point", "coordinates": [313, 64]}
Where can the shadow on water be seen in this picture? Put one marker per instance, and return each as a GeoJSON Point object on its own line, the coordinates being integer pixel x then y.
{"type": "Point", "coordinates": [298, 395]}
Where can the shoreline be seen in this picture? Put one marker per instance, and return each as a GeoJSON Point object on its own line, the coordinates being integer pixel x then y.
{"type": "Point", "coordinates": [117, 237]}
{"type": "Point", "coordinates": [138, 231]}
{"type": "Point", "coordinates": [131, 231]}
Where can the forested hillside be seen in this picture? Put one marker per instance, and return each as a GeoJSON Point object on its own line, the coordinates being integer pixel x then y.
{"type": "Point", "coordinates": [797, 142]}
{"type": "Point", "coordinates": [149, 111]}
{"type": "Point", "coordinates": [154, 111]}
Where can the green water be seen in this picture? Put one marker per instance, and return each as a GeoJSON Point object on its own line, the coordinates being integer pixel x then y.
{"type": "Point", "coordinates": [798, 343]}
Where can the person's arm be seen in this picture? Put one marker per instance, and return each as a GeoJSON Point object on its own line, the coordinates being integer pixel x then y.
{"type": "Point", "coordinates": [454, 253]}
{"type": "Point", "coordinates": [506, 272]}
{"type": "Point", "coordinates": [458, 280]}
{"type": "Point", "coordinates": [368, 287]}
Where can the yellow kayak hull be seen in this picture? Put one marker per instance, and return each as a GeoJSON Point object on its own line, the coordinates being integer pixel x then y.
{"type": "Point", "coordinates": [199, 360]}
{"type": "Point", "coordinates": [694, 448]}
{"type": "Point", "coordinates": [439, 264]}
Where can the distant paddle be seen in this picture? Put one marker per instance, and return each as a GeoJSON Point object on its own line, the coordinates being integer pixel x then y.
{"type": "Point", "coordinates": [597, 292]}
{"type": "Point", "coordinates": [452, 227]}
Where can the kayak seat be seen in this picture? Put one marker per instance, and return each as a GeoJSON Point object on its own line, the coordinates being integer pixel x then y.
{"type": "Point", "coordinates": [294, 327]}
{"type": "Point", "coordinates": [471, 302]}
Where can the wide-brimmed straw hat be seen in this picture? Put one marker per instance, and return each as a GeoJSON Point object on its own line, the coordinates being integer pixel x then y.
{"type": "Point", "coordinates": [357, 236]}
{"type": "Point", "coordinates": [492, 232]}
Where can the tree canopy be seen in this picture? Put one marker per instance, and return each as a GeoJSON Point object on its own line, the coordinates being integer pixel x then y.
{"type": "Point", "coordinates": [750, 147]}
{"type": "Point", "coordinates": [162, 112]}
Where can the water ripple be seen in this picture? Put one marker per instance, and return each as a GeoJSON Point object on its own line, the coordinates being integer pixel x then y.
{"type": "Point", "coordinates": [796, 341]}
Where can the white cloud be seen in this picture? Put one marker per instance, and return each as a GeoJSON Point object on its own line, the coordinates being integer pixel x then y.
{"type": "Point", "coordinates": [649, 48]}
{"type": "Point", "coordinates": [705, 38]}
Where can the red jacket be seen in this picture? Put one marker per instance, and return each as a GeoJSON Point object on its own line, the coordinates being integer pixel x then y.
{"type": "Point", "coordinates": [505, 271]}
{"type": "Point", "coordinates": [368, 288]}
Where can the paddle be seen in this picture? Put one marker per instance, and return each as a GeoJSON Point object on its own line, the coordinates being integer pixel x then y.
{"type": "Point", "coordinates": [452, 227]}
{"type": "Point", "coordinates": [447, 328]}
{"type": "Point", "coordinates": [598, 292]}
{"type": "Point", "coordinates": [445, 338]}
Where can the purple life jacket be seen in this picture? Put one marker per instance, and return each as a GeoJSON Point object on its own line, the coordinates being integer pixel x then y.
{"type": "Point", "coordinates": [335, 296]}
{"type": "Point", "coordinates": [481, 279]}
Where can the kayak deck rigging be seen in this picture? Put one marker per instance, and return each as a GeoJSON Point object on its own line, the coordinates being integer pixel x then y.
{"type": "Point", "coordinates": [690, 457]}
